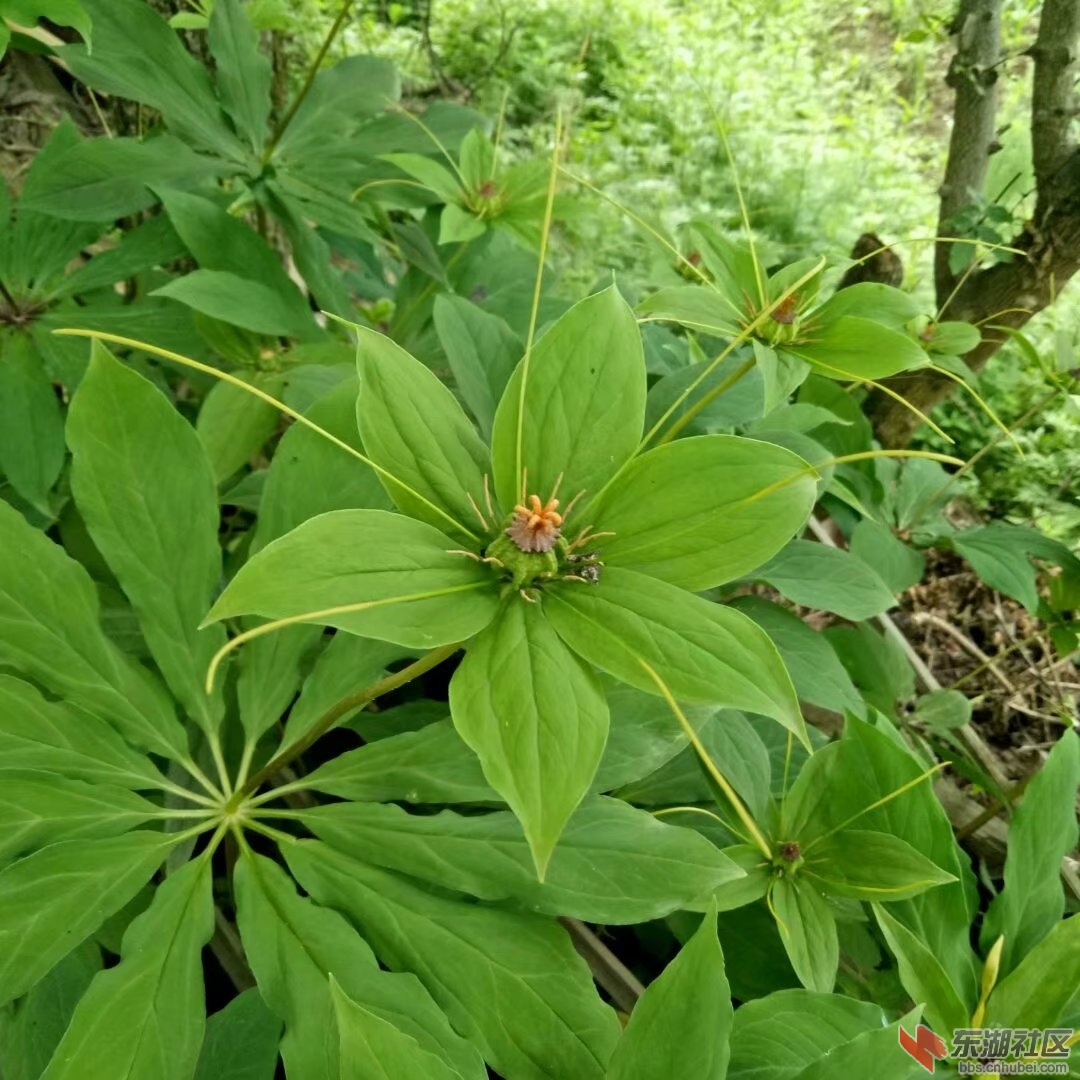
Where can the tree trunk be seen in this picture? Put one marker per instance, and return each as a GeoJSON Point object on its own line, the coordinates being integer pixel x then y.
{"type": "Point", "coordinates": [1007, 294]}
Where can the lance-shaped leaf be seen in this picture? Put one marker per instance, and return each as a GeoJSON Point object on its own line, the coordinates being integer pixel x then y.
{"type": "Point", "coordinates": [1041, 989]}
{"type": "Point", "coordinates": [808, 931]}
{"type": "Point", "coordinates": [830, 579]}
{"type": "Point", "coordinates": [705, 510]}
{"type": "Point", "coordinates": [681, 1027]}
{"type": "Point", "coordinates": [396, 574]}
{"type": "Point", "coordinates": [868, 781]}
{"type": "Point", "coordinates": [703, 651]}
{"type": "Point", "coordinates": [31, 427]}
{"type": "Point", "coordinates": [370, 1048]}
{"type": "Point", "coordinates": [1042, 832]}
{"type": "Point", "coordinates": [432, 765]}
{"type": "Point", "coordinates": [851, 347]}
{"type": "Point", "coordinates": [243, 73]}
{"type": "Point", "coordinates": [136, 55]}
{"type": "Point", "coordinates": [510, 982]}
{"type": "Point", "coordinates": [309, 475]}
{"type": "Point", "coordinates": [613, 863]}
{"type": "Point", "coordinates": [293, 946]}
{"type": "Point", "coordinates": [54, 899]}
{"type": "Point", "coordinates": [481, 350]}
{"type": "Point", "coordinates": [414, 428]}
{"type": "Point", "coordinates": [693, 306]}
{"type": "Point", "coordinates": [52, 737]}
{"type": "Point", "coordinates": [536, 717]}
{"type": "Point", "coordinates": [147, 493]}
{"type": "Point", "coordinates": [575, 407]}
{"type": "Point", "coordinates": [923, 976]}
{"type": "Point", "coordinates": [49, 631]}
{"type": "Point", "coordinates": [146, 1016]}
{"type": "Point", "coordinates": [241, 1041]}
{"type": "Point", "coordinates": [38, 809]}
{"type": "Point", "coordinates": [865, 865]}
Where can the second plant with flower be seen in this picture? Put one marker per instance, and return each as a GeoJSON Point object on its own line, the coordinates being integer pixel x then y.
{"type": "Point", "coordinates": [559, 551]}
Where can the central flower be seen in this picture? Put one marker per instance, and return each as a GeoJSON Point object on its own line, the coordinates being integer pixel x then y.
{"type": "Point", "coordinates": [536, 527]}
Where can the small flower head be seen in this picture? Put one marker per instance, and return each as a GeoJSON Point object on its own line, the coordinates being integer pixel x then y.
{"type": "Point", "coordinates": [537, 526]}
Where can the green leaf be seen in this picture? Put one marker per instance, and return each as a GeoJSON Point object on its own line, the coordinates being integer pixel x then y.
{"type": "Point", "coordinates": [777, 1037]}
{"type": "Point", "coordinates": [838, 786]}
{"type": "Point", "coordinates": [943, 710]}
{"type": "Point", "coordinates": [240, 301]}
{"type": "Point", "coordinates": [147, 494]}
{"type": "Point", "coordinates": [458, 226]}
{"type": "Point", "coordinates": [153, 243]}
{"type": "Point", "coordinates": [1043, 830]}
{"type": "Point", "coordinates": [477, 159]}
{"type": "Point", "coordinates": [371, 1048]}
{"type": "Point", "coordinates": [145, 1017]}
{"type": "Point", "coordinates": [535, 716]}
{"type": "Point", "coordinates": [876, 664]}
{"type": "Point", "coordinates": [63, 12]}
{"type": "Point", "coordinates": [137, 56]}
{"type": "Point", "coordinates": [808, 931]}
{"type": "Point", "coordinates": [234, 425]}
{"type": "Point", "coordinates": [432, 765]}
{"type": "Point", "coordinates": [49, 736]}
{"type": "Point", "coordinates": [899, 565]}
{"type": "Point", "coordinates": [344, 666]}
{"type": "Point", "coordinates": [681, 1026]}
{"type": "Point", "coordinates": [613, 864]}
{"type": "Point", "coordinates": [511, 983]}
{"type": "Point", "coordinates": [293, 945]}
{"type": "Point", "coordinates": [865, 865]}
{"type": "Point", "coordinates": [104, 179]}
{"type": "Point", "coordinates": [815, 669]}
{"type": "Point", "coordinates": [829, 579]}
{"type": "Point", "coordinates": [954, 338]}
{"type": "Point", "coordinates": [270, 673]}
{"type": "Point", "coordinates": [644, 735]}
{"type": "Point", "coordinates": [482, 352]}
{"type": "Point", "coordinates": [1000, 561]}
{"type": "Point", "coordinates": [31, 1027]}
{"type": "Point", "coordinates": [413, 590]}
{"type": "Point", "coordinates": [702, 511]}
{"type": "Point", "coordinates": [54, 899]}
{"type": "Point", "coordinates": [309, 475]}
{"type": "Point", "coordinates": [581, 413]}
{"type": "Point", "coordinates": [923, 976]}
{"type": "Point", "coordinates": [414, 428]}
{"type": "Point", "coordinates": [851, 347]}
{"type": "Point", "coordinates": [1041, 989]}
{"type": "Point", "coordinates": [871, 300]}
{"type": "Point", "coordinates": [873, 1053]}
{"type": "Point", "coordinates": [37, 809]}
{"type": "Point", "coordinates": [353, 90]}
{"type": "Point", "coordinates": [31, 427]}
{"type": "Point", "coordinates": [702, 651]}
{"type": "Point", "coordinates": [243, 73]}
{"type": "Point", "coordinates": [241, 1041]}
{"type": "Point", "coordinates": [49, 631]}
{"type": "Point", "coordinates": [693, 306]}
{"type": "Point", "coordinates": [433, 175]}
{"type": "Point", "coordinates": [223, 242]}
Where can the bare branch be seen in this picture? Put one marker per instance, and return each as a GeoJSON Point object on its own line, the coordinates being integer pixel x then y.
{"type": "Point", "coordinates": [1053, 97]}
{"type": "Point", "coordinates": [972, 75]}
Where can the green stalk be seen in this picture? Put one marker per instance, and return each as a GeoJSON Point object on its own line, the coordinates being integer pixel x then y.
{"type": "Point", "coordinates": [343, 707]}
{"type": "Point", "coordinates": [287, 119]}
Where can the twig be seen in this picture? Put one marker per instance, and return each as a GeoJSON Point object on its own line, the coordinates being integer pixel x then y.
{"type": "Point", "coordinates": [961, 639]}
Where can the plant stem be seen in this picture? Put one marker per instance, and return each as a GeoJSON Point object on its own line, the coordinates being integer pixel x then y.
{"type": "Point", "coordinates": [347, 705]}
{"type": "Point", "coordinates": [705, 399]}
{"type": "Point", "coordinates": [287, 119]}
